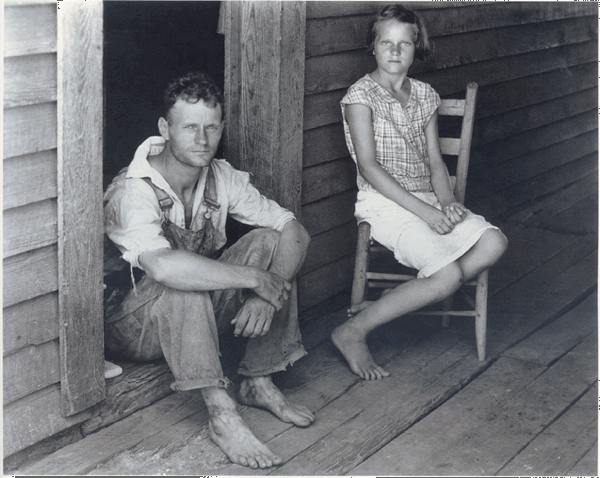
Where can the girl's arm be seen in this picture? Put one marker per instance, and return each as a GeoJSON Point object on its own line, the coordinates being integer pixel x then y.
{"type": "Point", "coordinates": [363, 138]}
{"type": "Point", "coordinates": [440, 179]}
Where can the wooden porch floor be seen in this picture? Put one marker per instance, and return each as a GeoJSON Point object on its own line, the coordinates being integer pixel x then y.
{"type": "Point", "coordinates": [529, 409]}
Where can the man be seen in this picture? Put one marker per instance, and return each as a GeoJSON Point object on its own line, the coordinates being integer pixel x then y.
{"type": "Point", "coordinates": [166, 214]}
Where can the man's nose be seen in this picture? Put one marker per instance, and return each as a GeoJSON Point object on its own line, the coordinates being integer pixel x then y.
{"type": "Point", "coordinates": [396, 49]}
{"type": "Point", "coordinates": [201, 136]}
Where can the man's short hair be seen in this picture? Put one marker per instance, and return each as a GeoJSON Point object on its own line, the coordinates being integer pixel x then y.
{"type": "Point", "coordinates": [192, 87]}
{"type": "Point", "coordinates": [403, 15]}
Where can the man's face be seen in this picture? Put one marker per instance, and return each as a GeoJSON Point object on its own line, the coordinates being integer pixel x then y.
{"type": "Point", "coordinates": [193, 131]}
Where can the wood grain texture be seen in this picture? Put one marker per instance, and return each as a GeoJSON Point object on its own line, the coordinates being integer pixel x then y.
{"type": "Point", "coordinates": [29, 29]}
{"type": "Point", "coordinates": [29, 227]}
{"type": "Point", "coordinates": [29, 79]}
{"type": "Point", "coordinates": [32, 322]}
{"type": "Point", "coordinates": [80, 205]}
{"type": "Point", "coordinates": [35, 417]}
{"type": "Point", "coordinates": [29, 178]}
{"type": "Point", "coordinates": [29, 275]}
{"type": "Point", "coordinates": [264, 69]}
{"type": "Point", "coordinates": [29, 129]}
{"type": "Point", "coordinates": [29, 370]}
{"type": "Point", "coordinates": [327, 179]}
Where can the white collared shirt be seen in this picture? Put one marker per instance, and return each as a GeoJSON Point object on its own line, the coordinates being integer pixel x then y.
{"type": "Point", "coordinates": [132, 216]}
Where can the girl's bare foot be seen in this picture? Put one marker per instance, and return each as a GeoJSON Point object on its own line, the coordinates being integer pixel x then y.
{"type": "Point", "coordinates": [232, 435]}
{"type": "Point", "coordinates": [261, 392]}
{"type": "Point", "coordinates": [353, 346]}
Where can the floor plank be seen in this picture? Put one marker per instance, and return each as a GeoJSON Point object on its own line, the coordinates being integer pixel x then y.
{"type": "Point", "coordinates": [481, 428]}
{"type": "Point", "coordinates": [562, 444]}
{"type": "Point", "coordinates": [588, 465]}
{"type": "Point", "coordinates": [543, 285]}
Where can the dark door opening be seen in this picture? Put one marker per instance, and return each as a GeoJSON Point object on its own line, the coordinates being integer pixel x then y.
{"type": "Point", "coordinates": [146, 44]}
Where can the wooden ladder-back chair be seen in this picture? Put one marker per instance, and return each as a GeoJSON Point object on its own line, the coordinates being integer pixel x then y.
{"type": "Point", "coordinates": [365, 278]}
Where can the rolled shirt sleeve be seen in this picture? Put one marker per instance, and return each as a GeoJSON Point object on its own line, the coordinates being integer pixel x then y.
{"type": "Point", "coordinates": [132, 220]}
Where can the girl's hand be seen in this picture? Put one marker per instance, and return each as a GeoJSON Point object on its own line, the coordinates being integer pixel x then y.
{"type": "Point", "coordinates": [455, 211]}
{"type": "Point", "coordinates": [438, 221]}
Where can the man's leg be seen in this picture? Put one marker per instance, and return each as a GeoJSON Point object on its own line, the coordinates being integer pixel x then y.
{"type": "Point", "coordinates": [273, 352]}
{"type": "Point", "coordinates": [156, 321]}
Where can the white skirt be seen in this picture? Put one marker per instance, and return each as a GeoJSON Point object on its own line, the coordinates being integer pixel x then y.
{"type": "Point", "coordinates": [411, 239]}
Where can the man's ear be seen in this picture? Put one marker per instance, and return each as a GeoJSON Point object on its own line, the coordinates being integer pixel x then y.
{"type": "Point", "coordinates": [163, 128]}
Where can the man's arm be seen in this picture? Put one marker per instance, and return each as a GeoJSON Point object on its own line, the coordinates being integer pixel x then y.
{"type": "Point", "coordinates": [184, 270]}
{"type": "Point", "coordinates": [255, 317]}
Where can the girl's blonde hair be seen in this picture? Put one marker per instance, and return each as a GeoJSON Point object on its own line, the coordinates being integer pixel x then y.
{"type": "Point", "coordinates": [403, 15]}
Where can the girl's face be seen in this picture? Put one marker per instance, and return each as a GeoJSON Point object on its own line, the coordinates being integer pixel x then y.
{"type": "Point", "coordinates": [394, 46]}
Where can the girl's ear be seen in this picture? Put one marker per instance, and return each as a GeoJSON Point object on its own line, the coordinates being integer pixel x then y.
{"type": "Point", "coordinates": [163, 128]}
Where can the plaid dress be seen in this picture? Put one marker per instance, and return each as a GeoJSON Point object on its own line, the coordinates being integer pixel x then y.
{"type": "Point", "coordinates": [401, 149]}
{"type": "Point", "coordinates": [399, 131]}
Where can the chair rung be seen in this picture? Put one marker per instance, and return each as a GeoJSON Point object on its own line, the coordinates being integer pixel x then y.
{"type": "Point", "coordinates": [391, 277]}
{"type": "Point", "coordinates": [459, 313]}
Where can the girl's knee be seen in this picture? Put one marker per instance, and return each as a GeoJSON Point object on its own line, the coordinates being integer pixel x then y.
{"type": "Point", "coordinates": [495, 242]}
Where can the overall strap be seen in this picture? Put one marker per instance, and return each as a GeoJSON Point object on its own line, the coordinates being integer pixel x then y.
{"type": "Point", "coordinates": [164, 200]}
{"type": "Point", "coordinates": [210, 192]}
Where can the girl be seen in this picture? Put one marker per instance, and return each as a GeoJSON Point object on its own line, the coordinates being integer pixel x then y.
{"type": "Point", "coordinates": [390, 123]}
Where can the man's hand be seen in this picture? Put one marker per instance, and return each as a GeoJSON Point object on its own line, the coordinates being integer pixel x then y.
{"type": "Point", "coordinates": [254, 318]}
{"type": "Point", "coordinates": [273, 288]}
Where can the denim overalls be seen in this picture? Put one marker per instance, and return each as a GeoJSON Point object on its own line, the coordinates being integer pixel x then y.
{"type": "Point", "coordinates": [146, 320]}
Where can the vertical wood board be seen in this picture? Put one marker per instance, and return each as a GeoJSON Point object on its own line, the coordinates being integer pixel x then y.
{"type": "Point", "coordinates": [80, 205]}
{"type": "Point", "coordinates": [264, 84]}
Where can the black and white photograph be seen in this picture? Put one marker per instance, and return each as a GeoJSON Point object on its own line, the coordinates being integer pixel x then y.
{"type": "Point", "coordinates": [300, 238]}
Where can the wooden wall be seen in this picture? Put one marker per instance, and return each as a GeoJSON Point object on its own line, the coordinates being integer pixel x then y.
{"type": "Point", "coordinates": [51, 269]}
{"type": "Point", "coordinates": [536, 121]}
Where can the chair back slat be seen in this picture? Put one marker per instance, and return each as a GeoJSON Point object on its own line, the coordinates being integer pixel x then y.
{"type": "Point", "coordinates": [452, 108]}
{"type": "Point", "coordinates": [460, 147]}
{"type": "Point", "coordinates": [450, 146]}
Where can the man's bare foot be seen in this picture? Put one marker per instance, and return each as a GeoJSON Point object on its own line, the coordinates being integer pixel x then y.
{"type": "Point", "coordinates": [232, 435]}
{"type": "Point", "coordinates": [353, 347]}
{"type": "Point", "coordinates": [261, 392]}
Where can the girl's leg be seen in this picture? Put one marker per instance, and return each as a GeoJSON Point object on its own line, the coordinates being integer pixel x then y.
{"type": "Point", "coordinates": [351, 337]}
{"type": "Point", "coordinates": [484, 254]}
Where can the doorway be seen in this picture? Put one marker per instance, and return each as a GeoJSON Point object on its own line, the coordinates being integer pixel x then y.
{"type": "Point", "coordinates": [146, 45]}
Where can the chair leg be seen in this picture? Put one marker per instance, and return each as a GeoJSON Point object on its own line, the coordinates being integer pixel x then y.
{"type": "Point", "coordinates": [447, 305]}
{"type": "Point", "coordinates": [359, 282]}
{"type": "Point", "coordinates": [481, 313]}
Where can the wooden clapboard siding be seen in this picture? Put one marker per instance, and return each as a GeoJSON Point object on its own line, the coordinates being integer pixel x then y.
{"type": "Point", "coordinates": [29, 178]}
{"type": "Point", "coordinates": [31, 322]}
{"type": "Point", "coordinates": [29, 227]}
{"type": "Point", "coordinates": [28, 29]}
{"type": "Point", "coordinates": [43, 370]}
{"type": "Point", "coordinates": [35, 417]}
{"type": "Point", "coordinates": [536, 124]}
{"type": "Point", "coordinates": [29, 129]}
{"type": "Point", "coordinates": [44, 196]}
{"type": "Point", "coordinates": [29, 275]}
